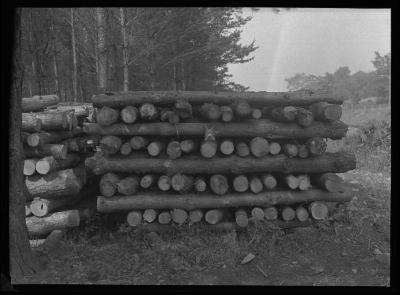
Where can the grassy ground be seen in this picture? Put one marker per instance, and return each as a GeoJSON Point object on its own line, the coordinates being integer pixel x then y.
{"type": "Point", "coordinates": [352, 248]}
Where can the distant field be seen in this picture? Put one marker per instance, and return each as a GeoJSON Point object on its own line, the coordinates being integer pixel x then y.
{"type": "Point", "coordinates": [359, 115]}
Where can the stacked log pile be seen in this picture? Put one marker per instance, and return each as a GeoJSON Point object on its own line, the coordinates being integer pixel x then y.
{"type": "Point", "coordinates": [218, 157]}
{"type": "Point", "coordinates": [55, 148]}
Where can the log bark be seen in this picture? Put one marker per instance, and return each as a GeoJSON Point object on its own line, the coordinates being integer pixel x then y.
{"type": "Point", "coordinates": [168, 115]}
{"type": "Point", "coordinates": [294, 98]}
{"type": "Point", "coordinates": [38, 103]}
{"type": "Point", "coordinates": [318, 210]}
{"type": "Point", "coordinates": [304, 117]}
{"type": "Point", "coordinates": [329, 162]}
{"type": "Point", "coordinates": [330, 182]}
{"type": "Point", "coordinates": [164, 217]}
{"type": "Point", "coordinates": [251, 128]}
{"type": "Point", "coordinates": [80, 109]}
{"type": "Point", "coordinates": [148, 112]}
{"type": "Point", "coordinates": [271, 213]}
{"type": "Point", "coordinates": [227, 147]}
{"type": "Point", "coordinates": [129, 114]}
{"type": "Point", "coordinates": [108, 184]}
{"type": "Point", "coordinates": [214, 216]}
{"type": "Point", "coordinates": [138, 143]}
{"type": "Point", "coordinates": [155, 148]}
{"type": "Point", "coordinates": [219, 184]}
{"type": "Point", "coordinates": [302, 151]}
{"type": "Point", "coordinates": [304, 182]}
{"type": "Point", "coordinates": [274, 148]}
{"type": "Point", "coordinates": [193, 201]}
{"type": "Point", "coordinates": [256, 185]}
{"type": "Point", "coordinates": [179, 216]}
{"type": "Point", "coordinates": [41, 138]}
{"type": "Point", "coordinates": [188, 146]}
{"type": "Point", "coordinates": [30, 166]}
{"type": "Point", "coordinates": [58, 151]}
{"type": "Point", "coordinates": [50, 164]}
{"type": "Point", "coordinates": [174, 149]}
{"type": "Point", "coordinates": [128, 185]}
{"type": "Point", "coordinates": [316, 146]}
{"type": "Point", "coordinates": [200, 184]}
{"type": "Point", "coordinates": [288, 213]}
{"type": "Point", "coordinates": [242, 149]}
{"type": "Point", "coordinates": [164, 183]}
{"type": "Point", "coordinates": [226, 114]}
{"type": "Point", "coordinates": [134, 218]}
{"type": "Point", "coordinates": [182, 183]}
{"type": "Point", "coordinates": [290, 150]}
{"type": "Point", "coordinates": [269, 181]}
{"type": "Point", "coordinates": [110, 144]}
{"type": "Point", "coordinates": [241, 218]}
{"type": "Point", "coordinates": [39, 226]}
{"type": "Point", "coordinates": [324, 111]}
{"type": "Point", "coordinates": [195, 216]}
{"type": "Point", "coordinates": [256, 114]}
{"type": "Point", "coordinates": [259, 147]}
{"type": "Point", "coordinates": [183, 109]}
{"type": "Point", "coordinates": [240, 183]}
{"type": "Point", "coordinates": [57, 184]}
{"type": "Point", "coordinates": [125, 149]}
{"type": "Point", "coordinates": [210, 111]}
{"type": "Point", "coordinates": [107, 116]}
{"type": "Point", "coordinates": [54, 121]}
{"type": "Point", "coordinates": [302, 214]}
{"type": "Point", "coordinates": [42, 207]}
{"type": "Point", "coordinates": [149, 215]}
{"type": "Point", "coordinates": [208, 148]}
{"type": "Point", "coordinates": [257, 213]}
{"type": "Point", "coordinates": [30, 123]}
{"type": "Point", "coordinates": [50, 242]}
{"type": "Point", "coordinates": [291, 181]}
{"type": "Point", "coordinates": [147, 181]}
{"type": "Point", "coordinates": [241, 108]}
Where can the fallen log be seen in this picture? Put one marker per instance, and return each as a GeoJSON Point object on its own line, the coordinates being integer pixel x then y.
{"type": "Point", "coordinates": [219, 184]}
{"type": "Point", "coordinates": [329, 162]}
{"type": "Point", "coordinates": [214, 216]}
{"type": "Point", "coordinates": [179, 216]}
{"type": "Point", "coordinates": [251, 128]}
{"type": "Point", "coordinates": [134, 218]}
{"type": "Point", "coordinates": [195, 216]}
{"type": "Point", "coordinates": [129, 114]}
{"type": "Point", "coordinates": [188, 145]}
{"type": "Point", "coordinates": [50, 164]}
{"type": "Point", "coordinates": [164, 217]}
{"type": "Point", "coordinates": [259, 147]}
{"type": "Point", "coordinates": [80, 110]}
{"type": "Point", "coordinates": [108, 184]}
{"type": "Point", "coordinates": [110, 144]}
{"type": "Point", "coordinates": [138, 143]}
{"type": "Point", "coordinates": [241, 218]}
{"type": "Point", "coordinates": [324, 111]}
{"type": "Point", "coordinates": [148, 112]}
{"type": "Point", "coordinates": [49, 243]}
{"type": "Point", "coordinates": [257, 213]}
{"type": "Point", "coordinates": [192, 201]}
{"type": "Point", "coordinates": [240, 183]}
{"type": "Point", "coordinates": [330, 182]}
{"type": "Point", "coordinates": [174, 149]}
{"type": "Point", "coordinates": [227, 147]}
{"type": "Point", "coordinates": [164, 183]}
{"type": "Point", "coordinates": [125, 149]}
{"type": "Point", "coordinates": [42, 207]}
{"type": "Point", "coordinates": [271, 213]}
{"type": "Point", "coordinates": [147, 181]}
{"type": "Point", "coordinates": [128, 185]}
{"type": "Point", "coordinates": [242, 149]}
{"type": "Point", "coordinates": [30, 166]}
{"type": "Point", "coordinates": [182, 183]}
{"type": "Point", "coordinates": [107, 116]}
{"type": "Point", "coordinates": [38, 102]}
{"type": "Point", "coordinates": [30, 123]}
{"type": "Point", "coordinates": [200, 185]}
{"type": "Point", "coordinates": [226, 114]}
{"type": "Point", "coordinates": [39, 226]}
{"type": "Point", "coordinates": [149, 215]}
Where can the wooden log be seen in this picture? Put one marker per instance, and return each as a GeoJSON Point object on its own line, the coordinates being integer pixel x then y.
{"type": "Point", "coordinates": [242, 149]}
{"type": "Point", "coordinates": [39, 226]}
{"type": "Point", "coordinates": [294, 98]}
{"type": "Point", "coordinates": [318, 210]}
{"type": "Point", "coordinates": [57, 184]}
{"type": "Point", "coordinates": [208, 148]}
{"type": "Point", "coordinates": [49, 243]}
{"type": "Point", "coordinates": [164, 217]}
{"type": "Point", "coordinates": [188, 145]}
{"type": "Point", "coordinates": [134, 218]}
{"type": "Point", "coordinates": [302, 214]}
{"type": "Point", "coordinates": [138, 143]}
{"type": "Point", "coordinates": [256, 185]}
{"type": "Point", "coordinates": [183, 109]}
{"type": "Point", "coordinates": [41, 138]}
{"type": "Point", "coordinates": [302, 151]}
{"type": "Point", "coordinates": [270, 213]}
{"type": "Point", "coordinates": [316, 146]}
{"type": "Point", "coordinates": [72, 121]}
{"type": "Point", "coordinates": [148, 112]}
{"type": "Point", "coordinates": [168, 115]}
{"type": "Point", "coordinates": [269, 181]}
{"type": "Point", "coordinates": [200, 185]}
{"type": "Point", "coordinates": [259, 147]}
{"type": "Point", "coordinates": [54, 121]}
{"type": "Point", "coordinates": [330, 182]}
{"type": "Point", "coordinates": [241, 108]}
{"type": "Point", "coordinates": [38, 102]}
{"type": "Point", "coordinates": [125, 148]}
{"type": "Point", "coordinates": [288, 213]}
{"type": "Point", "coordinates": [304, 117]}
{"type": "Point", "coordinates": [174, 149]}
{"type": "Point", "coordinates": [110, 144]}
{"type": "Point", "coordinates": [256, 114]}
{"type": "Point", "coordinates": [291, 181]}
{"type": "Point", "coordinates": [290, 150]}
{"type": "Point", "coordinates": [329, 162]}
{"type": "Point", "coordinates": [30, 123]}
{"type": "Point", "coordinates": [251, 128]}
{"type": "Point", "coordinates": [58, 151]}
{"type": "Point", "coordinates": [195, 216]}
{"type": "Point", "coordinates": [193, 201]}
{"type": "Point", "coordinates": [240, 183]}
{"type": "Point", "coordinates": [50, 164]}
{"type": "Point", "coordinates": [155, 148]}
{"type": "Point", "coordinates": [182, 183]}
{"type": "Point", "coordinates": [128, 185]}
{"type": "Point", "coordinates": [107, 116]}
{"type": "Point", "coordinates": [28, 211]}
{"type": "Point", "coordinates": [274, 148]}
{"type": "Point", "coordinates": [227, 147]}
{"type": "Point", "coordinates": [214, 216]}
{"type": "Point", "coordinates": [210, 111]}
{"type": "Point", "coordinates": [147, 181]}
{"type": "Point", "coordinates": [42, 207]}
{"type": "Point", "coordinates": [257, 213]}
{"type": "Point", "coordinates": [324, 111]}
{"type": "Point", "coordinates": [80, 109]}
{"type": "Point", "coordinates": [241, 218]}
{"type": "Point", "coordinates": [283, 114]}
{"type": "Point", "coordinates": [304, 182]}
{"type": "Point", "coordinates": [219, 184]}
{"type": "Point", "coordinates": [226, 114]}
{"type": "Point", "coordinates": [149, 215]}
{"type": "Point", "coordinates": [129, 114]}
{"type": "Point", "coordinates": [179, 216]}
{"type": "Point", "coordinates": [30, 166]}
{"type": "Point", "coordinates": [164, 183]}
{"type": "Point", "coordinates": [108, 184]}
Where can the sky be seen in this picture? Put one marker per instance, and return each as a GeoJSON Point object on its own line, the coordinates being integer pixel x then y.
{"type": "Point", "coordinates": [311, 41]}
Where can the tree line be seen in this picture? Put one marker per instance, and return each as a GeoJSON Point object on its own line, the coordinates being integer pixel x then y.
{"type": "Point", "coordinates": [76, 52]}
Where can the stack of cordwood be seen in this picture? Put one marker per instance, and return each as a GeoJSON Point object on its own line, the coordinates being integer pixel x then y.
{"type": "Point", "coordinates": [54, 150]}
{"type": "Point", "coordinates": [223, 159]}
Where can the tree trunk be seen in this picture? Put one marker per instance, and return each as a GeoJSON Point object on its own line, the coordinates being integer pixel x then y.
{"type": "Point", "coordinates": [214, 216]}
{"type": "Point", "coordinates": [74, 73]}
{"type": "Point", "coordinates": [30, 123]}
{"type": "Point", "coordinates": [129, 114]}
{"type": "Point", "coordinates": [38, 103]}
{"type": "Point", "coordinates": [219, 184]}
{"type": "Point", "coordinates": [50, 164]}
{"type": "Point", "coordinates": [107, 116]}
{"type": "Point", "coordinates": [324, 111]}
{"type": "Point", "coordinates": [100, 13]}
{"type": "Point", "coordinates": [124, 50]}
{"type": "Point", "coordinates": [128, 185]}
{"type": "Point", "coordinates": [147, 181]}
{"type": "Point", "coordinates": [58, 151]}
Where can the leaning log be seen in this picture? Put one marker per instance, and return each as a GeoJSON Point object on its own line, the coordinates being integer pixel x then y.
{"type": "Point", "coordinates": [58, 151]}
{"type": "Point", "coordinates": [192, 201]}
{"type": "Point", "coordinates": [329, 162]}
{"type": "Point", "coordinates": [251, 128]}
{"type": "Point", "coordinates": [38, 103]}
{"type": "Point", "coordinates": [30, 123]}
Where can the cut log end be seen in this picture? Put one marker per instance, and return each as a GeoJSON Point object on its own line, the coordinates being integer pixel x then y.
{"type": "Point", "coordinates": [138, 143]}
{"type": "Point", "coordinates": [149, 215]}
{"type": "Point", "coordinates": [288, 214]}
{"type": "Point", "coordinates": [164, 217]}
{"type": "Point", "coordinates": [208, 148]}
{"type": "Point", "coordinates": [257, 213]}
{"type": "Point", "coordinates": [134, 218]}
{"type": "Point", "coordinates": [256, 185]}
{"type": "Point", "coordinates": [227, 147]}
{"type": "Point", "coordinates": [319, 210]}
{"type": "Point", "coordinates": [164, 183]}
{"type": "Point", "coordinates": [219, 184]}
{"type": "Point", "coordinates": [125, 149]}
{"type": "Point", "coordinates": [129, 114]}
{"type": "Point", "coordinates": [195, 216]}
{"type": "Point", "coordinates": [242, 149]}
{"type": "Point", "coordinates": [214, 216]}
{"type": "Point", "coordinates": [241, 218]}
{"type": "Point", "coordinates": [174, 149]}
{"type": "Point", "coordinates": [259, 147]}
{"type": "Point", "coordinates": [302, 214]}
{"type": "Point", "coordinates": [108, 184]}
{"type": "Point", "coordinates": [179, 216]}
{"type": "Point", "coordinates": [271, 213]}
{"type": "Point", "coordinates": [30, 166]}
{"type": "Point", "coordinates": [274, 148]}
{"type": "Point", "coordinates": [147, 181]}
{"type": "Point", "coordinates": [269, 181]}
{"type": "Point", "coordinates": [128, 185]}
{"type": "Point", "coordinates": [155, 148]}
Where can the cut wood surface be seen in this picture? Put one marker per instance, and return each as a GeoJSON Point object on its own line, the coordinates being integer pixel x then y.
{"type": "Point", "coordinates": [58, 151]}
{"type": "Point", "coordinates": [256, 185]}
{"type": "Point", "coordinates": [227, 147]}
{"type": "Point", "coordinates": [80, 109]}
{"type": "Point", "coordinates": [290, 150]}
{"type": "Point", "coordinates": [30, 123]}
{"type": "Point", "coordinates": [138, 143]}
{"type": "Point", "coordinates": [304, 117]}
{"type": "Point", "coordinates": [149, 215]}
{"type": "Point", "coordinates": [288, 213]}
{"type": "Point", "coordinates": [219, 184]}
{"type": "Point", "coordinates": [57, 184]}
{"type": "Point", "coordinates": [242, 149]}
{"type": "Point", "coordinates": [192, 201]}
{"type": "Point", "coordinates": [316, 146]}
{"type": "Point", "coordinates": [241, 108]}
{"type": "Point", "coordinates": [304, 182]}
{"type": "Point", "coordinates": [241, 218]}
{"type": "Point", "coordinates": [291, 181]}
{"type": "Point", "coordinates": [324, 111]}
{"type": "Point", "coordinates": [147, 181]}
{"type": "Point", "coordinates": [164, 217]}
{"type": "Point", "coordinates": [259, 147]}
{"type": "Point", "coordinates": [195, 216]}
{"type": "Point", "coordinates": [168, 115]}
{"type": "Point", "coordinates": [50, 164]}
{"type": "Point", "coordinates": [129, 114]}
{"type": "Point", "coordinates": [174, 149]}
{"type": "Point", "coordinates": [125, 149]}
{"type": "Point", "coordinates": [108, 184]}
{"type": "Point", "coordinates": [274, 148]}
{"type": "Point", "coordinates": [257, 213]}
{"type": "Point", "coordinates": [226, 114]}
{"type": "Point", "coordinates": [39, 226]}
{"type": "Point", "coordinates": [82, 143]}
{"type": "Point", "coordinates": [179, 216]}
{"type": "Point", "coordinates": [240, 183]}
{"type": "Point", "coordinates": [302, 151]}
{"type": "Point", "coordinates": [128, 185]}
{"type": "Point", "coordinates": [134, 218]}
{"type": "Point", "coordinates": [42, 207]}
{"type": "Point", "coordinates": [183, 109]}
{"type": "Point", "coordinates": [50, 242]}
{"type": "Point", "coordinates": [188, 145]}
{"type": "Point", "coordinates": [200, 184]}
{"type": "Point", "coordinates": [270, 213]}
{"type": "Point", "coordinates": [182, 183]}
{"type": "Point", "coordinates": [30, 166]}
{"type": "Point", "coordinates": [148, 112]}
{"type": "Point", "coordinates": [269, 181]}
{"type": "Point", "coordinates": [38, 102]}
{"type": "Point", "coordinates": [256, 114]}
{"type": "Point", "coordinates": [301, 213]}
{"type": "Point", "coordinates": [318, 210]}
{"type": "Point", "coordinates": [210, 111]}
{"type": "Point", "coordinates": [250, 128]}
{"type": "Point", "coordinates": [330, 182]}
{"type": "Point", "coordinates": [107, 116]}
{"type": "Point", "coordinates": [329, 162]}
{"type": "Point", "coordinates": [164, 183]}
{"type": "Point", "coordinates": [214, 216]}
{"type": "Point", "coordinates": [208, 148]}
{"type": "Point", "coordinates": [155, 148]}
{"type": "Point", "coordinates": [110, 144]}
